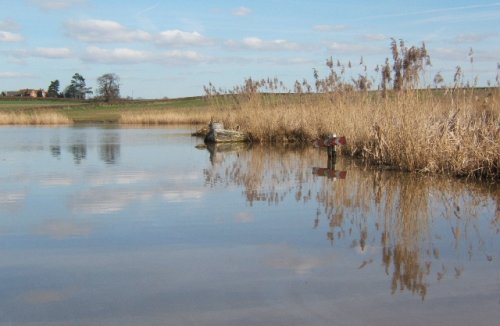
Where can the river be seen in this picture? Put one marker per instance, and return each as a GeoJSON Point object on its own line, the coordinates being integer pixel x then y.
{"type": "Point", "coordinates": [137, 226]}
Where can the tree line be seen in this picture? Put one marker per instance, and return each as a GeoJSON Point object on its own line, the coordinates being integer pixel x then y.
{"type": "Point", "coordinates": [108, 88]}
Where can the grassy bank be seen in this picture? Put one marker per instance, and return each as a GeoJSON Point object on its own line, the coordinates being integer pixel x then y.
{"type": "Point", "coordinates": [29, 111]}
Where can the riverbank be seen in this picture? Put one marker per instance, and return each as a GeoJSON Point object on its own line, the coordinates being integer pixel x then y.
{"type": "Point", "coordinates": [454, 132]}
{"type": "Point", "coordinates": [89, 111]}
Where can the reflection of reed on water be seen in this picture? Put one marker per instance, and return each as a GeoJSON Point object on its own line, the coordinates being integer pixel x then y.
{"type": "Point", "coordinates": [264, 173]}
{"type": "Point", "coordinates": [405, 232]}
{"type": "Point", "coordinates": [397, 214]}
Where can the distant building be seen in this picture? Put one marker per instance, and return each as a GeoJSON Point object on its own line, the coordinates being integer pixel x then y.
{"type": "Point", "coordinates": [33, 93]}
{"type": "Point", "coordinates": [26, 93]}
{"type": "Point", "coordinates": [10, 93]}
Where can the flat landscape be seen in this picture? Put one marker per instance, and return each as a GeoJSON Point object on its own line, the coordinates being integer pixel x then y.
{"type": "Point", "coordinates": [281, 163]}
{"type": "Point", "coordinates": [446, 131]}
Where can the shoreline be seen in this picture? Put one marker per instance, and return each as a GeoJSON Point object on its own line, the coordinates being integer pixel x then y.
{"type": "Point", "coordinates": [446, 132]}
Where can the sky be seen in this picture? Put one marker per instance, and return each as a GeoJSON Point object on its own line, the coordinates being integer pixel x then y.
{"type": "Point", "coordinates": [173, 49]}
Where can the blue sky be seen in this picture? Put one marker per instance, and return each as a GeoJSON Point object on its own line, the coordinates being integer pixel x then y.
{"type": "Point", "coordinates": [173, 48]}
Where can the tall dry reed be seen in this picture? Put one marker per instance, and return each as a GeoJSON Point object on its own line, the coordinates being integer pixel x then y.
{"type": "Point", "coordinates": [33, 118]}
{"type": "Point", "coordinates": [161, 117]}
{"type": "Point", "coordinates": [413, 131]}
{"type": "Point", "coordinates": [452, 131]}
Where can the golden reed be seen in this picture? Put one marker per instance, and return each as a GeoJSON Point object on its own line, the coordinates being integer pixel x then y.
{"type": "Point", "coordinates": [166, 116]}
{"type": "Point", "coordinates": [33, 118]}
{"type": "Point", "coordinates": [404, 126]}
{"type": "Point", "coordinates": [456, 133]}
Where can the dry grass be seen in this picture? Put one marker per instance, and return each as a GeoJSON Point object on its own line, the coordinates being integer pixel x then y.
{"type": "Point", "coordinates": [33, 118]}
{"type": "Point", "coordinates": [405, 125]}
{"type": "Point", "coordinates": [159, 117]}
{"type": "Point", "coordinates": [454, 133]}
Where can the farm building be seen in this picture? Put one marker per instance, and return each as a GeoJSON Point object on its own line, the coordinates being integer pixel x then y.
{"type": "Point", "coordinates": [26, 93]}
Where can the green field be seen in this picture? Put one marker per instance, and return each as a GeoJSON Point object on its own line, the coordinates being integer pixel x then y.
{"type": "Point", "coordinates": [81, 111]}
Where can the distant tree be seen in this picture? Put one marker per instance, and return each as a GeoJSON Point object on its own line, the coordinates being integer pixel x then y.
{"type": "Point", "coordinates": [69, 92]}
{"type": "Point", "coordinates": [108, 87]}
{"type": "Point", "coordinates": [53, 89]}
{"type": "Point", "coordinates": [77, 88]}
{"type": "Point", "coordinates": [438, 79]}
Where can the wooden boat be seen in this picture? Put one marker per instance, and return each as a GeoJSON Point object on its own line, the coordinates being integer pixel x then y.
{"type": "Point", "coordinates": [217, 134]}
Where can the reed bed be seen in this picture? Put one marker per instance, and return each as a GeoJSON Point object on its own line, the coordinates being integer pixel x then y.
{"type": "Point", "coordinates": [34, 118]}
{"type": "Point", "coordinates": [456, 133]}
{"type": "Point", "coordinates": [168, 116]}
{"type": "Point", "coordinates": [402, 125]}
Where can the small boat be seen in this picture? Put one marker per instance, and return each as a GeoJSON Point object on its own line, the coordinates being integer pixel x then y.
{"type": "Point", "coordinates": [217, 134]}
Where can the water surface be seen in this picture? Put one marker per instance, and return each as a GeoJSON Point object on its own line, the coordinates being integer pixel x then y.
{"type": "Point", "coordinates": [137, 226]}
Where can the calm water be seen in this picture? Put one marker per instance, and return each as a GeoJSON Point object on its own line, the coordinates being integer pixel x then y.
{"type": "Point", "coordinates": [109, 226]}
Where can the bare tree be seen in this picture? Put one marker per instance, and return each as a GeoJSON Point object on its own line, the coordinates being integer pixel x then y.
{"type": "Point", "coordinates": [108, 87]}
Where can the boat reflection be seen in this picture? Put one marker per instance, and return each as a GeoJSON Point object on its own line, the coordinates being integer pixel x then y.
{"type": "Point", "coordinates": [219, 150]}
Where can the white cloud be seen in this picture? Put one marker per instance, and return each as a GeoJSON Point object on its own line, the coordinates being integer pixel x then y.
{"type": "Point", "coordinates": [261, 60]}
{"type": "Point", "coordinates": [48, 53]}
{"type": "Point", "coordinates": [474, 37]}
{"type": "Point", "coordinates": [329, 28]}
{"type": "Point", "coordinates": [56, 4]}
{"type": "Point", "coordinates": [10, 37]}
{"type": "Point", "coordinates": [103, 31]}
{"type": "Point", "coordinates": [52, 53]}
{"type": "Point", "coordinates": [374, 37]}
{"type": "Point", "coordinates": [182, 55]}
{"type": "Point", "coordinates": [255, 43]}
{"type": "Point", "coordinates": [449, 53]}
{"type": "Point", "coordinates": [355, 48]}
{"type": "Point", "coordinates": [8, 74]}
{"type": "Point", "coordinates": [288, 61]}
{"type": "Point", "coordinates": [117, 56]}
{"type": "Point", "coordinates": [491, 55]}
{"type": "Point", "coordinates": [9, 25]}
{"type": "Point", "coordinates": [108, 31]}
{"type": "Point", "coordinates": [129, 56]}
{"type": "Point", "coordinates": [180, 38]}
{"type": "Point", "coordinates": [242, 11]}
{"type": "Point", "coordinates": [461, 54]}
{"type": "Point", "coordinates": [448, 14]}
{"type": "Point", "coordinates": [460, 18]}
